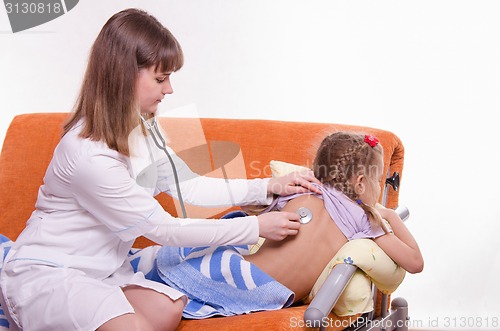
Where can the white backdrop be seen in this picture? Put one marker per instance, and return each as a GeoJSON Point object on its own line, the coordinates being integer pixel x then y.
{"type": "Point", "coordinates": [428, 71]}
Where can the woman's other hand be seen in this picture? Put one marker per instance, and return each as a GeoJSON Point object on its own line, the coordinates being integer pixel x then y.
{"type": "Point", "coordinates": [294, 182]}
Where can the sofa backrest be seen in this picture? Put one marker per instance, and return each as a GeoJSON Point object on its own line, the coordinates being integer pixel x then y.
{"type": "Point", "coordinates": [218, 147]}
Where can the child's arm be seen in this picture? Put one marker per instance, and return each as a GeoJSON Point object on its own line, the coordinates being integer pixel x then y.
{"type": "Point", "coordinates": [400, 245]}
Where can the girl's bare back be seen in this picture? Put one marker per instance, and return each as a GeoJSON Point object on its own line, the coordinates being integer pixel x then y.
{"type": "Point", "coordinates": [297, 261]}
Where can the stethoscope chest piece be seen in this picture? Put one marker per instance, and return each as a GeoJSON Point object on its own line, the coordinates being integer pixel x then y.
{"type": "Point", "coordinates": [305, 215]}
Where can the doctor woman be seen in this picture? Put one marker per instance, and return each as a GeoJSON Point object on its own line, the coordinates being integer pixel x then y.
{"type": "Point", "coordinates": [67, 270]}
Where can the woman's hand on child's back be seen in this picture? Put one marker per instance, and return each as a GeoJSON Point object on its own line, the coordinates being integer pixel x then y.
{"type": "Point", "coordinates": [294, 182]}
{"type": "Point", "coordinates": [278, 225]}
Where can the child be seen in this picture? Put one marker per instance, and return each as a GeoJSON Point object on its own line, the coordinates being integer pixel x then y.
{"type": "Point", "coordinates": [350, 167]}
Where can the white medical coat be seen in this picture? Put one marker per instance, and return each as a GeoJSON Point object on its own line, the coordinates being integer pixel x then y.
{"type": "Point", "coordinates": [90, 209]}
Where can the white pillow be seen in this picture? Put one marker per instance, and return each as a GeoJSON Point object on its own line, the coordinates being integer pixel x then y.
{"type": "Point", "coordinates": [374, 265]}
{"type": "Point", "coordinates": [279, 168]}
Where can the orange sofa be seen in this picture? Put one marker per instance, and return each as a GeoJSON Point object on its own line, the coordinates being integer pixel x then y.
{"type": "Point", "coordinates": [31, 138]}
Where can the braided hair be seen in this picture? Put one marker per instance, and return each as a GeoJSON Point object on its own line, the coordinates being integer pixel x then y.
{"type": "Point", "coordinates": [343, 156]}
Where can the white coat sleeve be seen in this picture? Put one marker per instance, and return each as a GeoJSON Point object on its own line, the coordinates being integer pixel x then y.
{"type": "Point", "coordinates": [209, 191]}
{"type": "Point", "coordinates": [203, 232]}
{"type": "Point", "coordinates": [103, 186]}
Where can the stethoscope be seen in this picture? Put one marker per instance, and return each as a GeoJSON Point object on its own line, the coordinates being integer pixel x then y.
{"type": "Point", "coordinates": [155, 133]}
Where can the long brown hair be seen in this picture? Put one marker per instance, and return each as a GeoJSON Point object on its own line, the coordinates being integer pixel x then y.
{"type": "Point", "coordinates": [129, 41]}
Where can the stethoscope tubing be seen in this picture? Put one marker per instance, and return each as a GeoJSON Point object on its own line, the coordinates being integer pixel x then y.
{"type": "Point", "coordinates": [155, 133]}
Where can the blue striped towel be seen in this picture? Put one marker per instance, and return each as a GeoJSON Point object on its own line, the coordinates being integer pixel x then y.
{"type": "Point", "coordinates": [219, 281]}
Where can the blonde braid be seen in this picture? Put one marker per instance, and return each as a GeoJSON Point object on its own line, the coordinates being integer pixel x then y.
{"type": "Point", "coordinates": [336, 164]}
